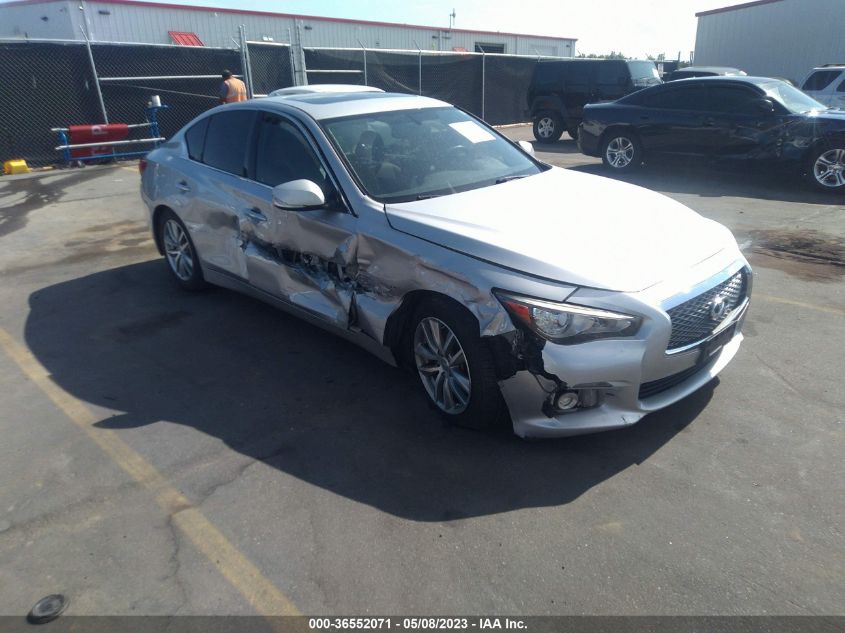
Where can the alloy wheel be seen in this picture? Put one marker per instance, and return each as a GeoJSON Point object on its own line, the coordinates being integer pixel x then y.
{"type": "Point", "coordinates": [829, 167]}
{"type": "Point", "coordinates": [178, 251]}
{"type": "Point", "coordinates": [546, 127]}
{"type": "Point", "coordinates": [442, 365]}
{"type": "Point", "coordinates": [620, 152]}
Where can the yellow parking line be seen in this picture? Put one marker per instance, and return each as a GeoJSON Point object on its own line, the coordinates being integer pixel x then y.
{"type": "Point", "coordinates": [800, 304]}
{"type": "Point", "coordinates": [262, 594]}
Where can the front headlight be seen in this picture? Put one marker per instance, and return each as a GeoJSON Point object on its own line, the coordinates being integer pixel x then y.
{"type": "Point", "coordinates": [566, 323]}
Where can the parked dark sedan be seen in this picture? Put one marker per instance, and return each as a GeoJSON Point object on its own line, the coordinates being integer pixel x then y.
{"type": "Point", "coordinates": [720, 118]}
{"type": "Point", "coordinates": [703, 71]}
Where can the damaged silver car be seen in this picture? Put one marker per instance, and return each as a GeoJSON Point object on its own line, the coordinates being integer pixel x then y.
{"type": "Point", "coordinates": [571, 302]}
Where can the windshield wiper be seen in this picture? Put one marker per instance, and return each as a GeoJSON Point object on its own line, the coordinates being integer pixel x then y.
{"type": "Point", "coordinates": [499, 181]}
{"type": "Point", "coordinates": [427, 196]}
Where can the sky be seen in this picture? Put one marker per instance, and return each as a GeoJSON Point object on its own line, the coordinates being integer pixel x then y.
{"type": "Point", "coordinates": [634, 27]}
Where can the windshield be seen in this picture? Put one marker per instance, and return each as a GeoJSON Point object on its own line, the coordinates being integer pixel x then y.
{"type": "Point", "coordinates": [792, 99]}
{"type": "Point", "coordinates": [408, 155]}
{"type": "Point", "coordinates": [644, 73]}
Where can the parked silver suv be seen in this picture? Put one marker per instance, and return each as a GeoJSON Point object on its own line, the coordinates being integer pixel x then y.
{"type": "Point", "coordinates": [826, 84]}
{"type": "Point", "coordinates": [420, 233]}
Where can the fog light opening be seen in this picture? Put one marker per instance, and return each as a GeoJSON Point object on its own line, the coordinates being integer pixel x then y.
{"type": "Point", "coordinates": [566, 400]}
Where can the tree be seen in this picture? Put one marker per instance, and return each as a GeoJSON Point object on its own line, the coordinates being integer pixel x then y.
{"type": "Point", "coordinates": [612, 55]}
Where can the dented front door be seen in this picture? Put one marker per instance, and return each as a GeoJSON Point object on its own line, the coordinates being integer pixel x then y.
{"type": "Point", "coordinates": [305, 257]}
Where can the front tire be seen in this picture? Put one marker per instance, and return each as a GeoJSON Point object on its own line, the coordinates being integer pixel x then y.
{"type": "Point", "coordinates": [455, 366]}
{"type": "Point", "coordinates": [621, 151]}
{"type": "Point", "coordinates": [826, 168]}
{"type": "Point", "coordinates": [548, 127]}
{"type": "Point", "coordinates": [179, 252]}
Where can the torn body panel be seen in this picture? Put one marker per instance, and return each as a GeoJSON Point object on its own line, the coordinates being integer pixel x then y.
{"type": "Point", "coordinates": [321, 261]}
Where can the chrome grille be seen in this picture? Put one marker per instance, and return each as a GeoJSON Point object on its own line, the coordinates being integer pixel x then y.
{"type": "Point", "coordinates": [693, 320]}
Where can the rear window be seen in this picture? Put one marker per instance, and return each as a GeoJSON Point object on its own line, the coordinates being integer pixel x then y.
{"type": "Point", "coordinates": [820, 79]}
{"type": "Point", "coordinates": [612, 73]}
{"type": "Point", "coordinates": [195, 139]}
{"type": "Point", "coordinates": [226, 141]}
{"type": "Point", "coordinates": [686, 74]}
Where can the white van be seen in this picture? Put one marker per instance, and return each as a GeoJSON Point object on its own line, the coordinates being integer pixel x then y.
{"type": "Point", "coordinates": [826, 84]}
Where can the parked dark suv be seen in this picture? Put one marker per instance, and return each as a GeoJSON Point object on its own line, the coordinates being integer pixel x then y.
{"type": "Point", "coordinates": [560, 89]}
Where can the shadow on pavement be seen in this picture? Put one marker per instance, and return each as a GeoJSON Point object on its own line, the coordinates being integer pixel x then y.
{"type": "Point", "coordinates": [307, 403]}
{"type": "Point", "coordinates": [707, 181]}
{"type": "Point", "coordinates": [565, 145]}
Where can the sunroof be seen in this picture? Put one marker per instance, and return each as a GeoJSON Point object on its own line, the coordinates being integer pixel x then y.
{"type": "Point", "coordinates": [318, 98]}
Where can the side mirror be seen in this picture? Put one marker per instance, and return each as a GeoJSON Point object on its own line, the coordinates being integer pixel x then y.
{"type": "Point", "coordinates": [765, 105]}
{"type": "Point", "coordinates": [527, 147]}
{"type": "Point", "coordinates": [298, 195]}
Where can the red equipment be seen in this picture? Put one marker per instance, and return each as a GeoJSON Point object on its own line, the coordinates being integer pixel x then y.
{"type": "Point", "coordinates": [96, 134]}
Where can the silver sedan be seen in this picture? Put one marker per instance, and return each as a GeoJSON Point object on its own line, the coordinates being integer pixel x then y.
{"type": "Point", "coordinates": [563, 302]}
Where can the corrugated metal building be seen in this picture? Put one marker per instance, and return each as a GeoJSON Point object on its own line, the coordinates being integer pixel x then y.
{"type": "Point", "coordinates": [156, 23]}
{"type": "Point", "coordinates": [773, 38]}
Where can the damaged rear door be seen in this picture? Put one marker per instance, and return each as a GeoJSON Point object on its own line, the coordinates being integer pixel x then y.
{"type": "Point", "coordinates": [305, 257]}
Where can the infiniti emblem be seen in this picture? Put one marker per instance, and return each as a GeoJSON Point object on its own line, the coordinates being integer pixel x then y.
{"type": "Point", "coordinates": [718, 308]}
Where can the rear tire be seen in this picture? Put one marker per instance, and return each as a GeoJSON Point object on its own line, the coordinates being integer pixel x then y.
{"type": "Point", "coordinates": [548, 127]}
{"type": "Point", "coordinates": [455, 365]}
{"type": "Point", "coordinates": [826, 168]}
{"type": "Point", "coordinates": [621, 151]}
{"type": "Point", "coordinates": [179, 252]}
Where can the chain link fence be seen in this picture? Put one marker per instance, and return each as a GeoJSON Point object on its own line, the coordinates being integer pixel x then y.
{"type": "Point", "coordinates": [492, 86]}
{"type": "Point", "coordinates": [45, 85]}
{"type": "Point", "coordinates": [52, 84]}
{"type": "Point", "coordinates": [186, 78]}
{"type": "Point", "coordinates": [271, 67]}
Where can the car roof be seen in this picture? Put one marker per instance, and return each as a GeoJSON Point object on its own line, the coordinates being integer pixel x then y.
{"type": "Point", "coordinates": [330, 105]}
{"type": "Point", "coordinates": [709, 69]}
{"type": "Point", "coordinates": [746, 79]}
{"type": "Point", "coordinates": [584, 60]}
{"type": "Point", "coordinates": [314, 88]}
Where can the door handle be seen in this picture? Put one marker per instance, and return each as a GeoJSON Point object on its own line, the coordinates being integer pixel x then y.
{"type": "Point", "coordinates": [645, 117]}
{"type": "Point", "coordinates": [183, 186]}
{"type": "Point", "coordinates": [709, 121]}
{"type": "Point", "coordinates": [255, 215]}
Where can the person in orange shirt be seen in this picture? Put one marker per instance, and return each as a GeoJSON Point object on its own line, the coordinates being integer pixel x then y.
{"type": "Point", "coordinates": [232, 89]}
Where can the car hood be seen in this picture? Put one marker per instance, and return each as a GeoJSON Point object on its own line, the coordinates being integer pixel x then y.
{"type": "Point", "coordinates": [569, 227]}
{"type": "Point", "coordinates": [830, 115]}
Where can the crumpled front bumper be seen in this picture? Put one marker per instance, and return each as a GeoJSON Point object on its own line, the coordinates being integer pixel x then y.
{"type": "Point", "coordinates": [621, 367]}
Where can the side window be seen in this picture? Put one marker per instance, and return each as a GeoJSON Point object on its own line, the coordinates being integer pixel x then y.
{"type": "Point", "coordinates": [841, 87]}
{"type": "Point", "coordinates": [729, 99]}
{"type": "Point", "coordinates": [195, 139]}
{"type": "Point", "coordinates": [611, 73]}
{"type": "Point", "coordinates": [547, 75]}
{"type": "Point", "coordinates": [226, 141]}
{"type": "Point", "coordinates": [282, 154]}
{"type": "Point", "coordinates": [580, 73]}
{"type": "Point", "coordinates": [686, 98]}
{"type": "Point", "coordinates": [820, 80]}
